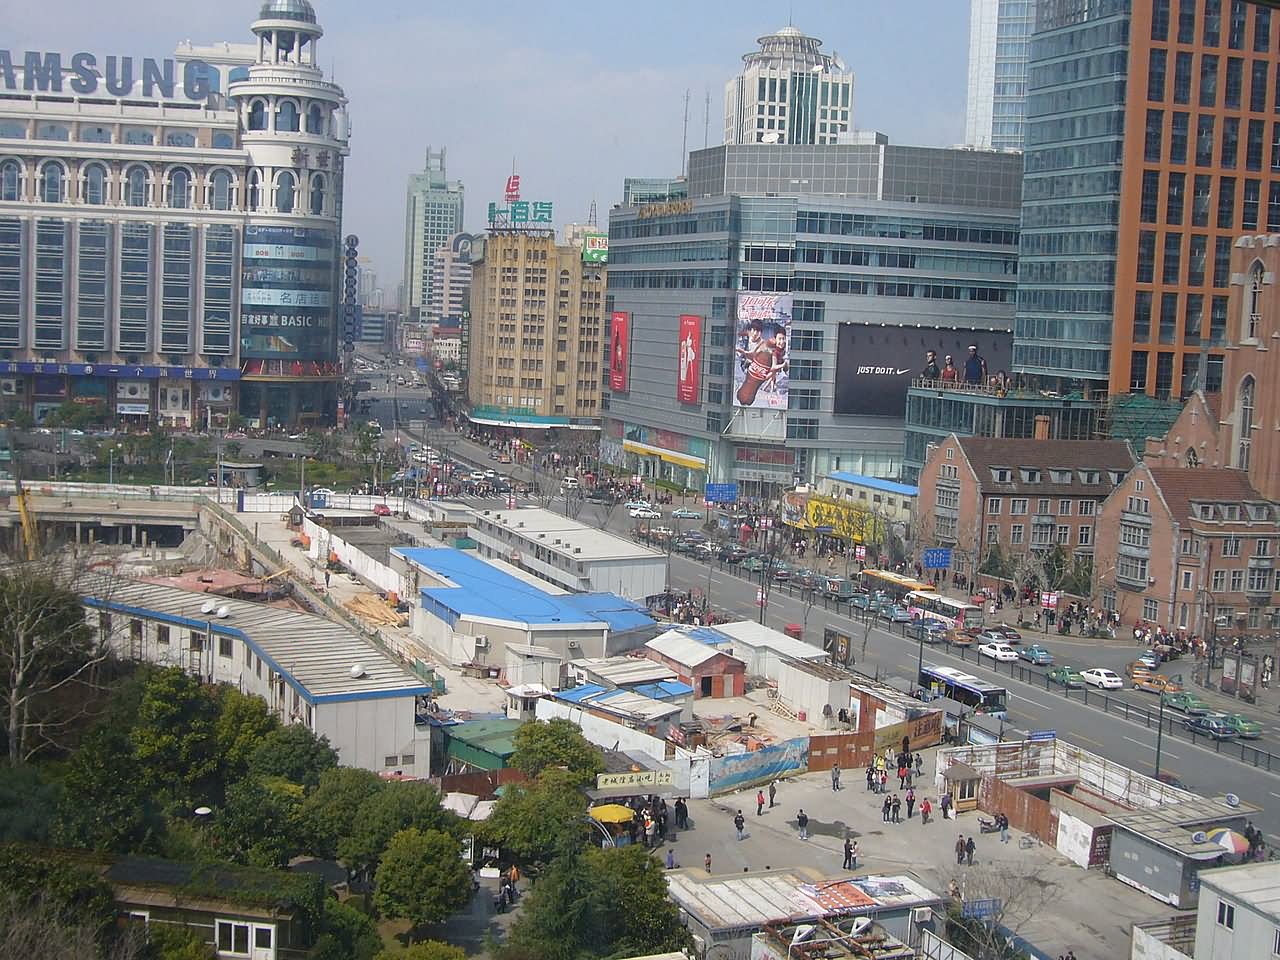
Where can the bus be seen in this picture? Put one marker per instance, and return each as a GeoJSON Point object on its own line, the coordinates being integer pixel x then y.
{"type": "Point", "coordinates": [894, 585]}
{"type": "Point", "coordinates": [957, 614]}
{"type": "Point", "coordinates": [983, 697]}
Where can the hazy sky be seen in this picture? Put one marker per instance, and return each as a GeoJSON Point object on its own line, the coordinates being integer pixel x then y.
{"type": "Point", "coordinates": [581, 94]}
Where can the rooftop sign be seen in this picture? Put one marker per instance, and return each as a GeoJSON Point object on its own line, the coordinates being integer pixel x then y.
{"type": "Point", "coordinates": [46, 73]}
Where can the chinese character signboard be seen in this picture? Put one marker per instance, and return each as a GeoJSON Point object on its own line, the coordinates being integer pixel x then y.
{"type": "Point", "coordinates": [721, 493]}
{"type": "Point", "coordinates": [689, 358]}
{"type": "Point", "coordinates": [635, 778]}
{"type": "Point", "coordinates": [595, 248]}
{"type": "Point", "coordinates": [512, 193]}
{"type": "Point", "coordinates": [762, 362]}
{"type": "Point", "coordinates": [619, 350]}
{"type": "Point", "coordinates": [1049, 600]}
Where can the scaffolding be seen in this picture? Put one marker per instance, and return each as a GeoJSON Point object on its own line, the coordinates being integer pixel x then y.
{"type": "Point", "coordinates": [1135, 417]}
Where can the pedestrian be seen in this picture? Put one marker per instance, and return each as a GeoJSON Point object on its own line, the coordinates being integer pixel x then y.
{"type": "Point", "coordinates": [671, 858]}
{"type": "Point", "coordinates": [773, 792]}
{"type": "Point", "coordinates": [759, 802]}
{"type": "Point", "coordinates": [926, 808]}
{"type": "Point", "coordinates": [902, 777]}
{"type": "Point", "coordinates": [871, 776]}
{"type": "Point", "coordinates": [919, 765]}
{"type": "Point", "coordinates": [897, 809]}
{"type": "Point", "coordinates": [1003, 821]}
{"type": "Point", "coordinates": [740, 822]}
{"type": "Point", "coordinates": [835, 776]}
{"type": "Point", "coordinates": [911, 802]}
{"type": "Point", "coordinates": [706, 862]}
{"type": "Point", "coordinates": [848, 854]}
{"type": "Point", "coordinates": [960, 848]}
{"type": "Point", "coordinates": [884, 781]}
{"type": "Point", "coordinates": [326, 579]}
{"type": "Point", "coordinates": [885, 808]}
{"type": "Point", "coordinates": [969, 847]}
{"type": "Point", "coordinates": [802, 821]}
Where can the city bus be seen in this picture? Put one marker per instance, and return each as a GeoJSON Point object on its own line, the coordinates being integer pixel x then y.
{"type": "Point", "coordinates": [984, 698]}
{"type": "Point", "coordinates": [927, 605]}
{"type": "Point", "coordinates": [893, 585]}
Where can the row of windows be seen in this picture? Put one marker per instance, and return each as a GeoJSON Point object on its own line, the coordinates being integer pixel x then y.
{"type": "Point", "coordinates": [1044, 506]}
{"type": "Point", "coordinates": [1211, 24]}
{"type": "Point", "coordinates": [94, 133]}
{"type": "Point", "coordinates": [1042, 536]}
{"type": "Point", "coordinates": [288, 116]}
{"type": "Point", "coordinates": [1256, 152]}
{"type": "Point", "coordinates": [867, 225]}
{"type": "Point", "coordinates": [136, 187]}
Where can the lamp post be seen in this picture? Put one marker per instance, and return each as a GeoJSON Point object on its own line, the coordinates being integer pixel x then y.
{"type": "Point", "coordinates": [1159, 735]}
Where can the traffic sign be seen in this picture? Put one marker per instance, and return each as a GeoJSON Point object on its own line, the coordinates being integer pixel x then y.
{"type": "Point", "coordinates": [983, 909]}
{"type": "Point", "coordinates": [936, 558]}
{"type": "Point", "coordinates": [721, 493]}
{"type": "Point", "coordinates": [1040, 736]}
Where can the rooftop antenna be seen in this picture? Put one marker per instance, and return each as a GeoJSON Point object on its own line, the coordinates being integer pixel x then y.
{"type": "Point", "coordinates": [684, 138]}
{"type": "Point", "coordinates": [706, 117]}
{"type": "Point", "coordinates": [591, 215]}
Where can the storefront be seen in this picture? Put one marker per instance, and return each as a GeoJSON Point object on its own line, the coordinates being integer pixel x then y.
{"type": "Point", "coordinates": [665, 455]}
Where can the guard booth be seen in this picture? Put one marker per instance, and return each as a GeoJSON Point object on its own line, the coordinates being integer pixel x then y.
{"type": "Point", "coordinates": [963, 782]}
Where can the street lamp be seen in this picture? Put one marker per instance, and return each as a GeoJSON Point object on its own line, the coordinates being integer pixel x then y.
{"type": "Point", "coordinates": [1159, 734]}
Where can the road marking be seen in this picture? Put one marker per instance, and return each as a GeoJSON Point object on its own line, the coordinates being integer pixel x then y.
{"type": "Point", "coordinates": [1081, 736]}
{"type": "Point", "coordinates": [1274, 794]}
{"type": "Point", "coordinates": [1163, 752]}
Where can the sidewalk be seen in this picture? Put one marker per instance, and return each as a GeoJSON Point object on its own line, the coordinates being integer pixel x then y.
{"type": "Point", "coordinates": [1076, 909]}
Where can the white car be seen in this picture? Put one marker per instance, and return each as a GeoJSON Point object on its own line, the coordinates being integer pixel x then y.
{"type": "Point", "coordinates": [1001, 652]}
{"type": "Point", "coordinates": [645, 513]}
{"type": "Point", "coordinates": [1102, 677]}
{"type": "Point", "coordinates": [638, 505]}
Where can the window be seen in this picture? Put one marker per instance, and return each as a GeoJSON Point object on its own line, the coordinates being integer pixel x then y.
{"type": "Point", "coordinates": [1174, 197]}
{"type": "Point", "coordinates": [1015, 533]}
{"type": "Point", "coordinates": [1244, 437]}
{"type": "Point", "coordinates": [1262, 548]}
{"type": "Point", "coordinates": [220, 190]}
{"type": "Point", "coordinates": [1233, 90]}
{"type": "Point", "coordinates": [285, 184]}
{"type": "Point", "coordinates": [1132, 569]}
{"type": "Point", "coordinates": [1064, 508]}
{"type": "Point", "coordinates": [287, 117]}
{"type": "Point", "coordinates": [1208, 80]}
{"type": "Point", "coordinates": [1135, 535]}
{"type": "Point", "coordinates": [1253, 304]}
{"type": "Point", "coordinates": [1085, 535]}
{"type": "Point", "coordinates": [1186, 21]}
{"type": "Point", "coordinates": [1150, 208]}
{"type": "Point", "coordinates": [1063, 534]}
{"type": "Point", "coordinates": [994, 504]}
{"type": "Point", "coordinates": [1231, 546]}
{"type": "Point", "coordinates": [948, 498]}
{"type": "Point", "coordinates": [224, 647]}
{"type": "Point", "coordinates": [1018, 507]}
{"type": "Point", "coordinates": [233, 937]}
{"type": "Point", "coordinates": [52, 186]}
{"type": "Point", "coordinates": [1182, 78]}
{"type": "Point", "coordinates": [1150, 610]}
{"type": "Point", "coordinates": [993, 533]}
{"type": "Point", "coordinates": [136, 187]}
{"type": "Point", "coordinates": [1087, 508]}
{"type": "Point", "coordinates": [179, 189]}
{"type": "Point", "coordinates": [1259, 580]}
{"type": "Point", "coordinates": [1188, 578]}
{"type": "Point", "coordinates": [1172, 257]}
{"type": "Point", "coordinates": [1218, 582]}
{"type": "Point", "coordinates": [1042, 506]}
{"type": "Point", "coordinates": [1204, 141]}
{"type": "Point", "coordinates": [95, 185]}
{"type": "Point", "coordinates": [1146, 256]}
{"type": "Point", "coordinates": [1226, 202]}
{"type": "Point", "coordinates": [1226, 915]}
{"type": "Point", "coordinates": [1157, 67]}
{"type": "Point", "coordinates": [1178, 137]}
{"type": "Point", "coordinates": [1201, 201]}
{"type": "Point", "coordinates": [1249, 215]}
{"type": "Point", "coordinates": [1155, 136]}
{"type": "Point", "coordinates": [162, 634]}
{"type": "Point", "coordinates": [258, 115]}
{"type": "Point", "coordinates": [315, 119]}
{"type": "Point", "coordinates": [10, 180]}
{"type": "Point", "coordinates": [317, 194]}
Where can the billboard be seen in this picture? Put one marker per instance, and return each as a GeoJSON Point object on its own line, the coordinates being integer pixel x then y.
{"type": "Point", "coordinates": [287, 299]}
{"type": "Point", "coordinates": [689, 356]}
{"type": "Point", "coordinates": [762, 351]}
{"type": "Point", "coordinates": [619, 350]}
{"type": "Point", "coordinates": [595, 248]}
{"type": "Point", "coordinates": [875, 364]}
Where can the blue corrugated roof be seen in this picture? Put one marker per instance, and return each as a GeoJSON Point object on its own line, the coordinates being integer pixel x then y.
{"type": "Point", "coordinates": [708, 635]}
{"type": "Point", "coordinates": [875, 483]}
{"type": "Point", "coordinates": [665, 690]}
{"type": "Point", "coordinates": [483, 590]}
{"type": "Point", "coordinates": [579, 694]}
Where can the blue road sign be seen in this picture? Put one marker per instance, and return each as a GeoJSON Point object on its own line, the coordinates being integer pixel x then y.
{"type": "Point", "coordinates": [936, 558]}
{"type": "Point", "coordinates": [980, 909]}
{"type": "Point", "coordinates": [721, 493]}
{"type": "Point", "coordinates": [1039, 736]}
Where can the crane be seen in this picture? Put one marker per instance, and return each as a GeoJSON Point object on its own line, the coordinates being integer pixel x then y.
{"type": "Point", "coordinates": [30, 534]}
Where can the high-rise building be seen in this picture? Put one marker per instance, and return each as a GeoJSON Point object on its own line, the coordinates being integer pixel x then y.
{"type": "Point", "coordinates": [170, 238]}
{"type": "Point", "coordinates": [999, 43]}
{"type": "Point", "coordinates": [534, 339]}
{"type": "Point", "coordinates": [769, 333]}
{"type": "Point", "coordinates": [789, 92]}
{"type": "Point", "coordinates": [433, 213]}
{"type": "Point", "coordinates": [452, 278]}
{"type": "Point", "coordinates": [371, 295]}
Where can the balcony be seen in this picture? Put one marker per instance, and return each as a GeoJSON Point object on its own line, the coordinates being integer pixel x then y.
{"type": "Point", "coordinates": [1043, 520]}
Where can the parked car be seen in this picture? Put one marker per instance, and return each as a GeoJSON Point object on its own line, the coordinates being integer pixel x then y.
{"type": "Point", "coordinates": [1000, 652]}
{"type": "Point", "coordinates": [861, 600]}
{"type": "Point", "coordinates": [685, 513]}
{"type": "Point", "coordinates": [781, 572]}
{"type": "Point", "coordinates": [1036, 654]}
{"type": "Point", "coordinates": [959, 637]}
{"type": "Point", "coordinates": [1138, 668]}
{"type": "Point", "coordinates": [1210, 725]}
{"type": "Point", "coordinates": [991, 635]}
{"type": "Point", "coordinates": [381, 510]}
{"type": "Point", "coordinates": [1102, 678]}
{"type": "Point", "coordinates": [504, 458]}
{"type": "Point", "coordinates": [930, 631]}
{"type": "Point", "coordinates": [733, 553]}
{"type": "Point", "coordinates": [894, 613]}
{"type": "Point", "coordinates": [753, 564]}
{"type": "Point", "coordinates": [1010, 635]}
{"type": "Point", "coordinates": [1067, 677]}
{"type": "Point", "coordinates": [1245, 728]}
{"type": "Point", "coordinates": [638, 505]}
{"type": "Point", "coordinates": [645, 513]}
{"type": "Point", "coordinates": [806, 578]}
{"type": "Point", "coordinates": [1187, 703]}
{"type": "Point", "coordinates": [1150, 659]}
{"type": "Point", "coordinates": [1156, 683]}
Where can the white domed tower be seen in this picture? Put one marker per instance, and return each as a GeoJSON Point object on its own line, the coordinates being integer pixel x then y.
{"type": "Point", "coordinates": [293, 124]}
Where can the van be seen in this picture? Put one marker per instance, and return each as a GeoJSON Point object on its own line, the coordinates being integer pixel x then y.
{"type": "Point", "coordinates": [569, 483]}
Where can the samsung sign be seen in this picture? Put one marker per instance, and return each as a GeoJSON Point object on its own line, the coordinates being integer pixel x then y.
{"type": "Point", "coordinates": [46, 73]}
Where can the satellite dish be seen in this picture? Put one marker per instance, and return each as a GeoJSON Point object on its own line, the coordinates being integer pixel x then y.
{"type": "Point", "coordinates": [208, 606]}
{"type": "Point", "coordinates": [769, 136]}
{"type": "Point", "coordinates": [224, 612]}
{"type": "Point", "coordinates": [1232, 800]}
{"type": "Point", "coordinates": [356, 671]}
{"type": "Point", "coordinates": [1199, 837]}
{"type": "Point", "coordinates": [202, 811]}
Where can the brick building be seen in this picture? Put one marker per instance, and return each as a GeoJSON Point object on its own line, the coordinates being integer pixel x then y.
{"type": "Point", "coordinates": [1183, 548]}
{"type": "Point", "coordinates": [979, 494]}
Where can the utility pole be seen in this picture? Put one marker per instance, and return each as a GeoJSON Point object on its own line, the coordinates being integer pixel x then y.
{"type": "Point", "coordinates": [1159, 735]}
{"type": "Point", "coordinates": [684, 137]}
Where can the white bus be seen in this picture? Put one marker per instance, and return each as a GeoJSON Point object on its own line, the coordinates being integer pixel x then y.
{"type": "Point", "coordinates": [933, 606]}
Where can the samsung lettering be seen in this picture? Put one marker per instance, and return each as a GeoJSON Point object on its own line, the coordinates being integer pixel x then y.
{"type": "Point", "coordinates": [46, 73]}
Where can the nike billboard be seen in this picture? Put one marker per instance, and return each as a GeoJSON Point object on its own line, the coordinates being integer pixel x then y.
{"type": "Point", "coordinates": [876, 364]}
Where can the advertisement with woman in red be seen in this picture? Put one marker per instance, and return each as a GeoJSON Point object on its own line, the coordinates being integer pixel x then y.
{"type": "Point", "coordinates": [689, 358]}
{"type": "Point", "coordinates": [761, 372]}
{"type": "Point", "coordinates": [619, 349]}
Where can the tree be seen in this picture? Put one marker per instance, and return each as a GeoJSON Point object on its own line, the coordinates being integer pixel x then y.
{"type": "Point", "coordinates": [106, 803]}
{"type": "Point", "coordinates": [329, 810]}
{"type": "Point", "coordinates": [1016, 898]}
{"type": "Point", "coordinates": [259, 825]}
{"type": "Point", "coordinates": [175, 736]}
{"type": "Point", "coordinates": [169, 941]}
{"type": "Point", "coordinates": [426, 950]}
{"type": "Point", "coordinates": [421, 878]}
{"type": "Point", "coordinates": [295, 753]}
{"type": "Point", "coordinates": [27, 803]}
{"type": "Point", "coordinates": [600, 903]}
{"type": "Point", "coordinates": [542, 819]}
{"type": "Point", "coordinates": [39, 929]}
{"type": "Point", "coordinates": [346, 934]}
{"type": "Point", "coordinates": [244, 721]}
{"type": "Point", "coordinates": [556, 743]}
{"type": "Point", "coordinates": [48, 654]}
{"type": "Point", "coordinates": [398, 806]}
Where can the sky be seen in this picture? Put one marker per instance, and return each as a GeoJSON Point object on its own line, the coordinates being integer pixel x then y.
{"type": "Point", "coordinates": [579, 95]}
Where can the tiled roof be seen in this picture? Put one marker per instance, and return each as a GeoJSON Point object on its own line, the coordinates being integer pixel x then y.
{"type": "Point", "coordinates": [984, 453]}
{"type": "Point", "coordinates": [1180, 486]}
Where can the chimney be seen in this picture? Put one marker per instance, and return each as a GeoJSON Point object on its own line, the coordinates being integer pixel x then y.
{"type": "Point", "coordinates": [1042, 427]}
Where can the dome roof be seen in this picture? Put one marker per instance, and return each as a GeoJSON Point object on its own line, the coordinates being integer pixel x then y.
{"type": "Point", "coordinates": [789, 31]}
{"type": "Point", "coordinates": [287, 10]}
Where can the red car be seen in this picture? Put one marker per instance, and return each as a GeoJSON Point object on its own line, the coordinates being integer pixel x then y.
{"type": "Point", "coordinates": [381, 510]}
